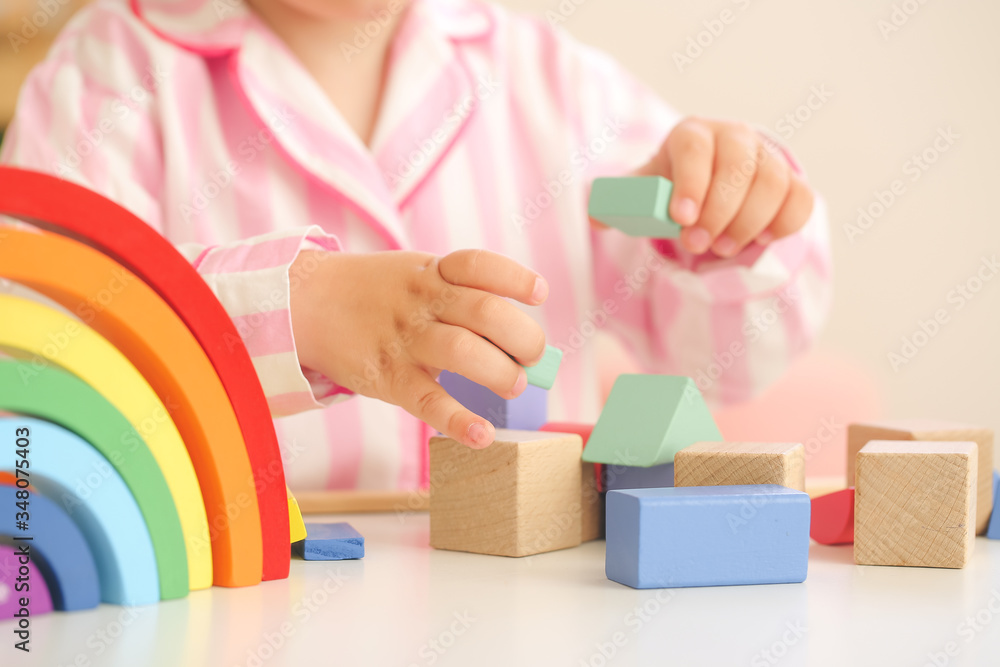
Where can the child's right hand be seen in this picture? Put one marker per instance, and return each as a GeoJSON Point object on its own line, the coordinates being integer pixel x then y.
{"type": "Point", "coordinates": [385, 324]}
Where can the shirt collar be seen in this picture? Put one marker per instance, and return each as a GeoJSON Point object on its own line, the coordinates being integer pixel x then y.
{"type": "Point", "coordinates": [218, 27]}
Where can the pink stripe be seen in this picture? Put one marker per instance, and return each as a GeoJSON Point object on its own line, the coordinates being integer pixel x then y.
{"type": "Point", "coordinates": [268, 332]}
{"type": "Point", "coordinates": [410, 451]}
{"type": "Point", "coordinates": [290, 403]}
{"type": "Point", "coordinates": [345, 437]}
{"type": "Point", "coordinates": [727, 317]}
{"type": "Point", "coordinates": [547, 250]}
{"type": "Point", "coordinates": [251, 256]}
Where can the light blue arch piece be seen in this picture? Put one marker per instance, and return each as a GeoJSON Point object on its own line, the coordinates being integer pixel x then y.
{"type": "Point", "coordinates": [69, 471]}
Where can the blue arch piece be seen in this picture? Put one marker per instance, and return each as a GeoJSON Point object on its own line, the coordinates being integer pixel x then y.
{"type": "Point", "coordinates": [58, 549]}
{"type": "Point", "coordinates": [66, 469]}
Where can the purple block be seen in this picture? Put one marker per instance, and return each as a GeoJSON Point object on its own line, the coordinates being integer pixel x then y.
{"type": "Point", "coordinates": [617, 478]}
{"type": "Point", "coordinates": [39, 600]}
{"type": "Point", "coordinates": [527, 412]}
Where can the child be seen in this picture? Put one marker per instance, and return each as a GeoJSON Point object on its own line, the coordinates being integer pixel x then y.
{"type": "Point", "coordinates": [323, 163]}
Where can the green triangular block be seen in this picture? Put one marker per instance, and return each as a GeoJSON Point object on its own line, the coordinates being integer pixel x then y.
{"type": "Point", "coordinates": [648, 419]}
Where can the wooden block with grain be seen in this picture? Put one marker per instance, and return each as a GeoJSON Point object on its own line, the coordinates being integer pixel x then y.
{"type": "Point", "coordinates": [931, 431]}
{"type": "Point", "coordinates": [915, 503]}
{"type": "Point", "coordinates": [736, 463]}
{"type": "Point", "coordinates": [591, 500]}
{"type": "Point", "coordinates": [519, 496]}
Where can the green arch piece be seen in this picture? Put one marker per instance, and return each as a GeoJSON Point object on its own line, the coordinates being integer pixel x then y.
{"type": "Point", "coordinates": [61, 398]}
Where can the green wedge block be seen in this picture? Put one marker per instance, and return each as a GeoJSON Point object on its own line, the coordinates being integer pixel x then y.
{"type": "Point", "coordinates": [637, 205]}
{"type": "Point", "coordinates": [648, 419]}
{"type": "Point", "coordinates": [543, 374]}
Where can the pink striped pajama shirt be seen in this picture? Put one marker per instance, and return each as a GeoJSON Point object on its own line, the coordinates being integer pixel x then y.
{"type": "Point", "coordinates": [194, 116]}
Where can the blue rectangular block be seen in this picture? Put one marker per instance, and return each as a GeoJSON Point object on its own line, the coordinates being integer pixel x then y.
{"type": "Point", "coordinates": [618, 478]}
{"type": "Point", "coordinates": [527, 412]}
{"type": "Point", "coordinates": [993, 531]}
{"type": "Point", "coordinates": [331, 541]}
{"type": "Point", "coordinates": [707, 536]}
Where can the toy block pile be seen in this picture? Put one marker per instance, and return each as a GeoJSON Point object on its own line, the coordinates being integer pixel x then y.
{"type": "Point", "coordinates": [919, 492]}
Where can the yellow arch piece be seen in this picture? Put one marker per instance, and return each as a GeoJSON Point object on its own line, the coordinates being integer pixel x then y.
{"type": "Point", "coordinates": [43, 335]}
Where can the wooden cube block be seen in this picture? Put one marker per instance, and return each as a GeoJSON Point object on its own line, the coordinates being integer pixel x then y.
{"type": "Point", "coordinates": [915, 503]}
{"type": "Point", "coordinates": [707, 536]}
{"type": "Point", "coordinates": [935, 431]}
{"type": "Point", "coordinates": [519, 496]}
{"type": "Point", "coordinates": [591, 500]}
{"type": "Point", "coordinates": [730, 463]}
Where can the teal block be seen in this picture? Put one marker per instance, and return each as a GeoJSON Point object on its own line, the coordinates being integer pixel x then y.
{"type": "Point", "coordinates": [543, 374]}
{"type": "Point", "coordinates": [648, 419]}
{"type": "Point", "coordinates": [637, 205]}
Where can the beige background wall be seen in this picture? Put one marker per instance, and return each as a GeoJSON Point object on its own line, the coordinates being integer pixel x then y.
{"type": "Point", "coordinates": [889, 97]}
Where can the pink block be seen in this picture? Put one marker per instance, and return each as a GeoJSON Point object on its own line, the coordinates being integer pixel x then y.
{"type": "Point", "coordinates": [40, 602]}
{"type": "Point", "coordinates": [833, 518]}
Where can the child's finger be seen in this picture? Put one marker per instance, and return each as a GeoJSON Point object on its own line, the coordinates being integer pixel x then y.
{"type": "Point", "coordinates": [736, 163]}
{"type": "Point", "coordinates": [492, 272]}
{"type": "Point", "coordinates": [460, 351]}
{"type": "Point", "coordinates": [767, 194]}
{"type": "Point", "coordinates": [498, 320]}
{"type": "Point", "coordinates": [794, 212]}
{"type": "Point", "coordinates": [415, 391]}
{"type": "Point", "coordinates": [690, 152]}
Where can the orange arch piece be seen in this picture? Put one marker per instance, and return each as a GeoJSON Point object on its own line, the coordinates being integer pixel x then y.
{"type": "Point", "coordinates": [135, 319]}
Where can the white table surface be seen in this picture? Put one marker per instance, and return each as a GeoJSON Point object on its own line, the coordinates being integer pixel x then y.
{"type": "Point", "coordinates": [406, 604]}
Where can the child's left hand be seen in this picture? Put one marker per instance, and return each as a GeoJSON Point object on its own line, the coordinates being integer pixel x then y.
{"type": "Point", "coordinates": [731, 186]}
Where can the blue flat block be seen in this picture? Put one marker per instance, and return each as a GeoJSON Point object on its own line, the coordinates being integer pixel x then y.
{"type": "Point", "coordinates": [96, 498]}
{"type": "Point", "coordinates": [331, 541]}
{"type": "Point", "coordinates": [58, 549]}
{"type": "Point", "coordinates": [617, 478]}
{"type": "Point", "coordinates": [707, 536]}
{"type": "Point", "coordinates": [527, 412]}
{"type": "Point", "coordinates": [993, 532]}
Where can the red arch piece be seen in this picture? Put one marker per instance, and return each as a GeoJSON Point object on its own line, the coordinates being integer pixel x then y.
{"type": "Point", "coordinates": [63, 207]}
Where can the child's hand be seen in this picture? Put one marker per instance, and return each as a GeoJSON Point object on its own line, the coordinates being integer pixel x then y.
{"type": "Point", "coordinates": [730, 187]}
{"type": "Point", "coordinates": [385, 324]}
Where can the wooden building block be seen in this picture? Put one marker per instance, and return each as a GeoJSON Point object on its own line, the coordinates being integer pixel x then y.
{"type": "Point", "coordinates": [707, 536]}
{"type": "Point", "coordinates": [619, 478]}
{"type": "Point", "coordinates": [637, 205]}
{"type": "Point", "coordinates": [543, 374]}
{"type": "Point", "coordinates": [931, 431]}
{"type": "Point", "coordinates": [591, 500]}
{"type": "Point", "coordinates": [330, 541]}
{"type": "Point", "coordinates": [527, 412]}
{"type": "Point", "coordinates": [729, 463]}
{"type": "Point", "coordinates": [993, 532]}
{"type": "Point", "coordinates": [519, 496]}
{"type": "Point", "coordinates": [649, 418]}
{"type": "Point", "coordinates": [915, 503]}
{"type": "Point", "coordinates": [833, 518]}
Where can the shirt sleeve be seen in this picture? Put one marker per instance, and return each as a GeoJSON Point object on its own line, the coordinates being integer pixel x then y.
{"type": "Point", "coordinates": [732, 325]}
{"type": "Point", "coordinates": [79, 118]}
